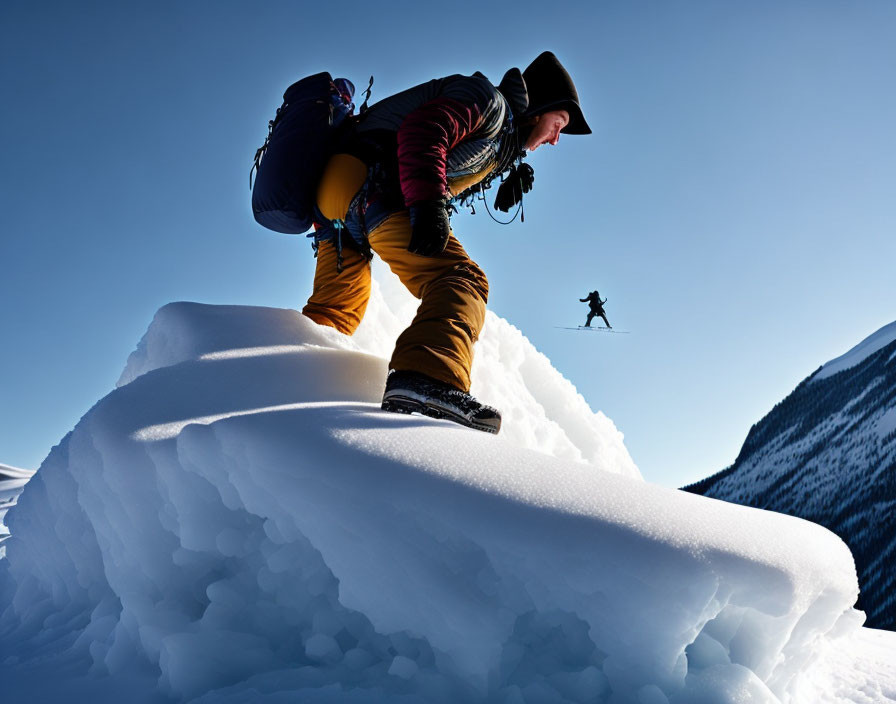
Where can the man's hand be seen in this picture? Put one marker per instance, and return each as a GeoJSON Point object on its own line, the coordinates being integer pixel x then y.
{"type": "Point", "coordinates": [518, 181]}
{"type": "Point", "coordinates": [430, 228]}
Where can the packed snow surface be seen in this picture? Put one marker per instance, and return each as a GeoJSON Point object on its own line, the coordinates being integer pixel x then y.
{"type": "Point", "coordinates": [238, 521]}
{"type": "Point", "coordinates": [861, 351]}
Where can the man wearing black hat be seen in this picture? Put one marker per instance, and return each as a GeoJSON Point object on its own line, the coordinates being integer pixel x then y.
{"type": "Point", "coordinates": [550, 87]}
{"type": "Point", "coordinates": [390, 191]}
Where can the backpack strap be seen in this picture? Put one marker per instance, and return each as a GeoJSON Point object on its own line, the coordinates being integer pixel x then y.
{"type": "Point", "coordinates": [339, 227]}
{"type": "Point", "coordinates": [267, 140]}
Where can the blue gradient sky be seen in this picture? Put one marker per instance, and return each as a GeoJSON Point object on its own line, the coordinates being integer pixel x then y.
{"type": "Point", "coordinates": [736, 203]}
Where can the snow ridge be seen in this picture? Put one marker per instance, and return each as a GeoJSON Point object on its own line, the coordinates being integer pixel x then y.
{"type": "Point", "coordinates": [238, 520]}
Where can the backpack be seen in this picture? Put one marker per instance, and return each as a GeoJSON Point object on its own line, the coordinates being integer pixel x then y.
{"type": "Point", "coordinates": [315, 112]}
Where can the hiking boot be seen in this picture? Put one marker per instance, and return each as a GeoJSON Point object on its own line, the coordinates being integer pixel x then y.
{"type": "Point", "coordinates": [412, 392]}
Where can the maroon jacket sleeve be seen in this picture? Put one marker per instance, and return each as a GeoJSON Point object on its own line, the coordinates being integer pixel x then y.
{"type": "Point", "coordinates": [424, 139]}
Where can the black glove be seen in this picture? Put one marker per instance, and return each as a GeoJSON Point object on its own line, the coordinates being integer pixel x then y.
{"type": "Point", "coordinates": [518, 181]}
{"type": "Point", "coordinates": [430, 227]}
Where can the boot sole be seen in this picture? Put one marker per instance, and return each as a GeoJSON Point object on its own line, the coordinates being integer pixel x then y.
{"type": "Point", "coordinates": [403, 404]}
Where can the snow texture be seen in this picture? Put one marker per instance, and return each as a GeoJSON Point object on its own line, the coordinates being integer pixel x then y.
{"type": "Point", "coordinates": [238, 521]}
{"type": "Point", "coordinates": [871, 675]}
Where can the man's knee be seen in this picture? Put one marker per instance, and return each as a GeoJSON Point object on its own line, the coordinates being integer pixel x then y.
{"type": "Point", "coordinates": [467, 275]}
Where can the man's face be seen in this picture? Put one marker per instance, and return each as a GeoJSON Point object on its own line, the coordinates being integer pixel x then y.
{"type": "Point", "coordinates": [547, 129]}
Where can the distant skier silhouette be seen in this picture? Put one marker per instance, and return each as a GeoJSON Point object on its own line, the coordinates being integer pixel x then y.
{"type": "Point", "coordinates": [597, 308]}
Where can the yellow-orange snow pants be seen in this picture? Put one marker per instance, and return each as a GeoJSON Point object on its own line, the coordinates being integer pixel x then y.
{"type": "Point", "coordinates": [452, 289]}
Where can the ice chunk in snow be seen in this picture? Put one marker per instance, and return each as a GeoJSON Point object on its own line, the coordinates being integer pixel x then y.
{"type": "Point", "coordinates": [239, 521]}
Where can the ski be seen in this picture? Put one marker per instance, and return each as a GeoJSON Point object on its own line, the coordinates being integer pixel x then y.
{"type": "Point", "coordinates": [595, 329]}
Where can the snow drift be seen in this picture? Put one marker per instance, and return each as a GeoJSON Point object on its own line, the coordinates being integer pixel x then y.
{"type": "Point", "coordinates": [238, 521]}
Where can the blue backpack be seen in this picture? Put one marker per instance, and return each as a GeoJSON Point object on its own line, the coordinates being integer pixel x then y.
{"type": "Point", "coordinates": [300, 140]}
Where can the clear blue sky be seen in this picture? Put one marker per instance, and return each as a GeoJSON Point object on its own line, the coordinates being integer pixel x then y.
{"type": "Point", "coordinates": [736, 204]}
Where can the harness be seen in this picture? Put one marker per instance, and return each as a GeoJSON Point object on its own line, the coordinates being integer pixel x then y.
{"type": "Point", "coordinates": [509, 158]}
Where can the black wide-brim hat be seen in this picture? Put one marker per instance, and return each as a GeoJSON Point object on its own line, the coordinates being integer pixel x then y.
{"type": "Point", "coordinates": [550, 88]}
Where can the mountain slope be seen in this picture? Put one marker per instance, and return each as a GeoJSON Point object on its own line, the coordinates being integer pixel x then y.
{"type": "Point", "coordinates": [827, 453]}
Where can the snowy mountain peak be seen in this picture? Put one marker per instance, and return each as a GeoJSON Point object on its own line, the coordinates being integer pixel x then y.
{"type": "Point", "coordinates": [871, 344]}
